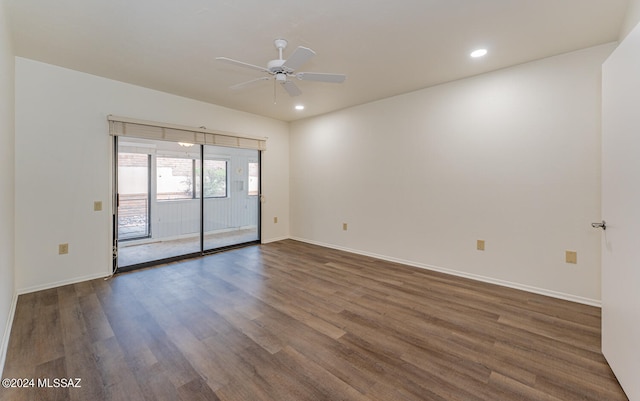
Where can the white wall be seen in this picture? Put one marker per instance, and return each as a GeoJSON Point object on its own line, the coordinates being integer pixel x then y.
{"type": "Point", "coordinates": [632, 18]}
{"type": "Point", "coordinates": [63, 165]}
{"type": "Point", "coordinates": [7, 287]}
{"type": "Point", "coordinates": [511, 157]}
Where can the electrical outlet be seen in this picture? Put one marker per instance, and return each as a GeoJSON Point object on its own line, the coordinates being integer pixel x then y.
{"type": "Point", "coordinates": [480, 245]}
{"type": "Point", "coordinates": [63, 249]}
{"type": "Point", "coordinates": [275, 220]}
{"type": "Point", "coordinates": [97, 206]}
{"type": "Point", "coordinates": [344, 226]}
{"type": "Point", "coordinates": [571, 257]}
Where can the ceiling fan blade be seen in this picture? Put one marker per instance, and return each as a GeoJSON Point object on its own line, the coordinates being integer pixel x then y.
{"type": "Point", "coordinates": [241, 64]}
{"type": "Point", "coordinates": [291, 88]}
{"type": "Point", "coordinates": [300, 56]}
{"type": "Point", "coordinates": [321, 77]}
{"type": "Point", "coordinates": [248, 83]}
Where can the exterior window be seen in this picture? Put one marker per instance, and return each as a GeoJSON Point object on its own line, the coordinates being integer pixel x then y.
{"type": "Point", "coordinates": [254, 179]}
{"type": "Point", "coordinates": [133, 195]}
{"type": "Point", "coordinates": [215, 179]}
{"type": "Point", "coordinates": [175, 178]}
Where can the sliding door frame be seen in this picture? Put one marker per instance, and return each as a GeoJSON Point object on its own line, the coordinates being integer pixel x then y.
{"type": "Point", "coordinates": [202, 251]}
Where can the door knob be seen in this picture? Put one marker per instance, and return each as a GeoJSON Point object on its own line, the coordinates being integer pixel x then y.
{"type": "Point", "coordinates": [602, 225]}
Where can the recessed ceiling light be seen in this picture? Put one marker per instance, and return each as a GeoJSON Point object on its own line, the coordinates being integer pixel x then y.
{"type": "Point", "coordinates": [478, 53]}
{"type": "Point", "coordinates": [299, 107]}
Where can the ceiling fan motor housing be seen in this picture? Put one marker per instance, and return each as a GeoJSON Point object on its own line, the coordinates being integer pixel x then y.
{"type": "Point", "coordinates": [275, 66]}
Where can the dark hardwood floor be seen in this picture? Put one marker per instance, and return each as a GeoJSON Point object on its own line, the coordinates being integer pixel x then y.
{"type": "Point", "coordinates": [292, 321]}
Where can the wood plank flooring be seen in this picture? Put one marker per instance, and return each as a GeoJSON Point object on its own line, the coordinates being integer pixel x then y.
{"type": "Point", "coordinates": [293, 321]}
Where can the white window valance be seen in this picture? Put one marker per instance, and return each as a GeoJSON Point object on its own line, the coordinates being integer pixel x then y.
{"type": "Point", "coordinates": [124, 126]}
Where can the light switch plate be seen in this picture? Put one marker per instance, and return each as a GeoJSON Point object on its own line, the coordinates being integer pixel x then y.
{"type": "Point", "coordinates": [97, 206]}
{"type": "Point", "coordinates": [480, 245]}
{"type": "Point", "coordinates": [571, 257]}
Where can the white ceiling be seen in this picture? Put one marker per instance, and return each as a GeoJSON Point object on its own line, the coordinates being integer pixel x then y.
{"type": "Point", "coordinates": [384, 47]}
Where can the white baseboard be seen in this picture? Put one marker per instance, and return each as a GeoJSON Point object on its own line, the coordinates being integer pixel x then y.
{"type": "Point", "coordinates": [61, 283]}
{"type": "Point", "coordinates": [4, 346]}
{"type": "Point", "coordinates": [269, 240]}
{"type": "Point", "coordinates": [503, 283]}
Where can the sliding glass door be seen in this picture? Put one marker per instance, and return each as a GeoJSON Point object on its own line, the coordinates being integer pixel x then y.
{"type": "Point", "coordinates": [176, 211]}
{"type": "Point", "coordinates": [180, 200]}
{"type": "Point", "coordinates": [231, 196]}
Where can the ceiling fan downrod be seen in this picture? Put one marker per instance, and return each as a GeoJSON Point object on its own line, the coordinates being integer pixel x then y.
{"type": "Point", "coordinates": [280, 44]}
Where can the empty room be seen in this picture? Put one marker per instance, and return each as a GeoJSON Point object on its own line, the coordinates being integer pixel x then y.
{"type": "Point", "coordinates": [336, 200]}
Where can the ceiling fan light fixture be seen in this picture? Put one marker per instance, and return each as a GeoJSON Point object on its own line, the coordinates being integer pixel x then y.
{"type": "Point", "coordinates": [478, 53]}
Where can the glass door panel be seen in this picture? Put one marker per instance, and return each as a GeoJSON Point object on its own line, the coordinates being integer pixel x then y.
{"type": "Point", "coordinates": [230, 205]}
{"type": "Point", "coordinates": [173, 198]}
{"type": "Point", "coordinates": [177, 202]}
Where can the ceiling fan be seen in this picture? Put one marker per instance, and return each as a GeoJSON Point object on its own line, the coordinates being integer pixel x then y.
{"type": "Point", "coordinates": [282, 71]}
